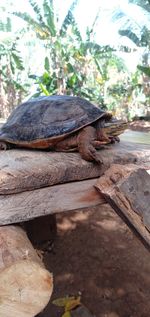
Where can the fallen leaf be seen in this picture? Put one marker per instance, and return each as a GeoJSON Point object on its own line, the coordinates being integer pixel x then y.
{"type": "Point", "coordinates": [68, 301]}
{"type": "Point", "coordinates": [72, 303]}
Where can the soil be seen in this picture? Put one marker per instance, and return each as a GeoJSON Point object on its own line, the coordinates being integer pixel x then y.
{"type": "Point", "coordinates": [97, 255]}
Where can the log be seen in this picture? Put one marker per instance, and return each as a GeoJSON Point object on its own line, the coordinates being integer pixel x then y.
{"type": "Point", "coordinates": [22, 170]}
{"type": "Point", "coordinates": [49, 200]}
{"type": "Point", "coordinates": [127, 189]}
{"type": "Point", "coordinates": [25, 284]}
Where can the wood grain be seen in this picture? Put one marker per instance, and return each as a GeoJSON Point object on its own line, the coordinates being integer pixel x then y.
{"type": "Point", "coordinates": [25, 285]}
{"type": "Point", "coordinates": [22, 170]}
{"type": "Point", "coordinates": [127, 190]}
{"type": "Point", "coordinates": [31, 204]}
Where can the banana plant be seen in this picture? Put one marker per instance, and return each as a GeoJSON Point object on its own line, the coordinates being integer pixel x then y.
{"type": "Point", "coordinates": [72, 65]}
{"type": "Point", "coordinates": [11, 66]}
{"type": "Point", "coordinates": [137, 30]}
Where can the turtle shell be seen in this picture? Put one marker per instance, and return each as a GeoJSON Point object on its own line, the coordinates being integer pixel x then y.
{"type": "Point", "coordinates": [51, 117]}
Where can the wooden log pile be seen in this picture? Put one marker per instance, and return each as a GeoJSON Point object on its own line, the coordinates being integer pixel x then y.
{"type": "Point", "coordinates": [24, 170]}
{"type": "Point", "coordinates": [35, 184]}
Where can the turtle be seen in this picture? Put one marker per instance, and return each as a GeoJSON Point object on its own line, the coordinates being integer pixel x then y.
{"type": "Point", "coordinates": [60, 123]}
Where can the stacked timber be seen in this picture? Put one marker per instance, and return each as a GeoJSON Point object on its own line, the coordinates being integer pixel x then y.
{"type": "Point", "coordinates": [35, 184]}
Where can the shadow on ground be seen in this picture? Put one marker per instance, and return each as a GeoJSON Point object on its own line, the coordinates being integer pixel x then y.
{"type": "Point", "coordinates": [96, 254]}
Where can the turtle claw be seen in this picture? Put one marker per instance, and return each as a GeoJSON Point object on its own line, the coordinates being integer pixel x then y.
{"type": "Point", "coordinates": [90, 154]}
{"type": "Point", "coordinates": [3, 146]}
{"type": "Point", "coordinates": [114, 139]}
{"type": "Point", "coordinates": [93, 155]}
{"type": "Point", "coordinates": [99, 161]}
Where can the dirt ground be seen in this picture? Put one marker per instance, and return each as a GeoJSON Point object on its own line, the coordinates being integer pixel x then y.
{"type": "Point", "coordinates": [96, 254]}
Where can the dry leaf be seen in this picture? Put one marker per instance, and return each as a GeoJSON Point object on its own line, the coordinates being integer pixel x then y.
{"type": "Point", "coordinates": [67, 302]}
{"type": "Point", "coordinates": [73, 303]}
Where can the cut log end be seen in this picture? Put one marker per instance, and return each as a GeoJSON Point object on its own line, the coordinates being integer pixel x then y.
{"type": "Point", "coordinates": [25, 289]}
{"type": "Point", "coordinates": [25, 284]}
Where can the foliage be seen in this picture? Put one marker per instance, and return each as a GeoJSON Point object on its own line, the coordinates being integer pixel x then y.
{"type": "Point", "coordinates": [126, 93]}
{"type": "Point", "coordinates": [76, 66]}
{"type": "Point", "coordinates": [137, 30]}
{"type": "Point", "coordinates": [72, 66]}
{"type": "Point", "coordinates": [144, 69]}
{"type": "Point", "coordinates": [11, 66]}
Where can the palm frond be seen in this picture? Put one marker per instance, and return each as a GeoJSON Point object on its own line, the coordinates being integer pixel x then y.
{"type": "Point", "coordinates": [129, 25]}
{"type": "Point", "coordinates": [37, 10]}
{"type": "Point", "coordinates": [90, 31]}
{"type": "Point", "coordinates": [143, 4]}
{"type": "Point", "coordinates": [98, 49]}
{"type": "Point", "coordinates": [144, 69]}
{"type": "Point", "coordinates": [42, 32]}
{"type": "Point", "coordinates": [70, 20]}
{"type": "Point", "coordinates": [6, 26]}
{"type": "Point", "coordinates": [49, 16]}
{"type": "Point", "coordinates": [18, 61]}
{"type": "Point", "coordinates": [132, 36]}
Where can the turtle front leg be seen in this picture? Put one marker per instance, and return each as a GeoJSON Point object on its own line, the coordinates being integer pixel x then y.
{"type": "Point", "coordinates": [102, 137]}
{"type": "Point", "coordinates": [4, 146]}
{"type": "Point", "coordinates": [101, 134]}
{"type": "Point", "coordinates": [85, 140]}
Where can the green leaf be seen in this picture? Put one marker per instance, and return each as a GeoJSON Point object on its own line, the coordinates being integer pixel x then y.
{"type": "Point", "coordinates": [49, 15]}
{"type": "Point", "coordinates": [70, 21]}
{"type": "Point", "coordinates": [60, 302]}
{"type": "Point", "coordinates": [47, 64]}
{"type": "Point", "coordinates": [63, 301]}
{"type": "Point", "coordinates": [37, 10]}
{"type": "Point", "coordinates": [44, 90]}
{"type": "Point", "coordinates": [72, 303]}
{"type": "Point", "coordinates": [72, 81]}
{"type": "Point", "coordinates": [33, 76]}
{"type": "Point", "coordinates": [18, 61]}
{"type": "Point", "coordinates": [46, 79]}
{"type": "Point", "coordinates": [144, 69]}
{"type": "Point", "coordinates": [131, 35]}
{"type": "Point", "coordinates": [6, 26]}
{"type": "Point", "coordinates": [12, 67]}
{"type": "Point", "coordinates": [18, 86]}
{"type": "Point", "coordinates": [41, 30]}
{"type": "Point", "coordinates": [70, 68]}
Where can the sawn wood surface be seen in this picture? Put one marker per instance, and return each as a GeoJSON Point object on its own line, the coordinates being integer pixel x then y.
{"type": "Point", "coordinates": [127, 190]}
{"type": "Point", "coordinates": [22, 170]}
